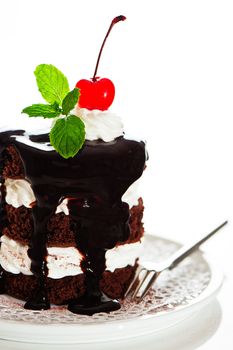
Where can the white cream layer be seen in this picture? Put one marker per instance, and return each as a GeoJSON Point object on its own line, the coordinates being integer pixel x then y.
{"type": "Point", "coordinates": [131, 195]}
{"type": "Point", "coordinates": [19, 192]}
{"type": "Point", "coordinates": [62, 262]}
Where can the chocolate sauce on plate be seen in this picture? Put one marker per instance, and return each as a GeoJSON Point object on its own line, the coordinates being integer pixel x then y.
{"type": "Point", "coordinates": [94, 181]}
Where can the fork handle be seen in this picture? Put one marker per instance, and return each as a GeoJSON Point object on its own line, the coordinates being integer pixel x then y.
{"type": "Point", "coordinates": [185, 251]}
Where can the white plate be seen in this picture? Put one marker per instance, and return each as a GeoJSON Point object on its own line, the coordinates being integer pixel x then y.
{"type": "Point", "coordinates": [178, 295]}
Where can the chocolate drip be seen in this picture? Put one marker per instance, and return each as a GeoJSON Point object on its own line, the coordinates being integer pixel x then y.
{"type": "Point", "coordinates": [93, 242]}
{"type": "Point", "coordinates": [94, 181]}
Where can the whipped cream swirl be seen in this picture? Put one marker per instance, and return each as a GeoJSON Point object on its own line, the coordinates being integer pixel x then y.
{"type": "Point", "coordinates": [102, 125]}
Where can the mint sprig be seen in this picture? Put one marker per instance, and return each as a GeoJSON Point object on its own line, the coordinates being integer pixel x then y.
{"type": "Point", "coordinates": [42, 110]}
{"type": "Point", "coordinates": [68, 133]}
{"type": "Point", "coordinates": [70, 101]}
{"type": "Point", "coordinates": [68, 136]}
{"type": "Point", "coordinates": [52, 83]}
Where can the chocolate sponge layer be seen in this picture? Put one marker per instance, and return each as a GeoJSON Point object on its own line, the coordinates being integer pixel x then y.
{"type": "Point", "coordinates": [60, 233]}
{"type": "Point", "coordinates": [114, 284]}
{"type": "Point", "coordinates": [13, 166]}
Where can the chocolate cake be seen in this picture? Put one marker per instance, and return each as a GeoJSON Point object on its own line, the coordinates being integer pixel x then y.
{"type": "Point", "coordinates": [63, 221]}
{"type": "Point", "coordinates": [70, 223]}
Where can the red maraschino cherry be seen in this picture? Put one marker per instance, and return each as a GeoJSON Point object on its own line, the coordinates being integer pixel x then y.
{"type": "Point", "coordinates": [98, 93]}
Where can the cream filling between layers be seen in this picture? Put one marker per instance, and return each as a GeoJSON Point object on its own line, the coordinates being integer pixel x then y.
{"type": "Point", "coordinates": [19, 192]}
{"type": "Point", "coordinates": [62, 262]}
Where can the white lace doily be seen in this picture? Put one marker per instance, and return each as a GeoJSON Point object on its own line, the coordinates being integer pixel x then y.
{"type": "Point", "coordinates": [173, 290]}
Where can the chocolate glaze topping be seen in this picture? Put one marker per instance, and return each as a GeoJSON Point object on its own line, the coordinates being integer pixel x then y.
{"type": "Point", "coordinates": [94, 181]}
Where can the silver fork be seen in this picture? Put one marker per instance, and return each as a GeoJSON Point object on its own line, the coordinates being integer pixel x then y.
{"type": "Point", "coordinates": [144, 278]}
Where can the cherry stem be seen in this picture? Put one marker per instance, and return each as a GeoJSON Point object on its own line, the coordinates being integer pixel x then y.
{"type": "Point", "coordinates": [114, 21]}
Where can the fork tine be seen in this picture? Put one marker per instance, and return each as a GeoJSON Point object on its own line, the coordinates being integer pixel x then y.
{"type": "Point", "coordinates": [150, 283]}
{"type": "Point", "coordinates": [140, 283]}
{"type": "Point", "coordinates": [137, 273]}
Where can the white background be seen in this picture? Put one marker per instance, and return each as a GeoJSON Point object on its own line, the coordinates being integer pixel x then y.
{"type": "Point", "coordinates": [172, 66]}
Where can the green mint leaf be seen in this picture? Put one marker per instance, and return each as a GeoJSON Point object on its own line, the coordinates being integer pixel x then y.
{"type": "Point", "coordinates": [70, 101]}
{"type": "Point", "coordinates": [52, 83]}
{"type": "Point", "coordinates": [67, 136]}
{"type": "Point", "coordinates": [42, 110]}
